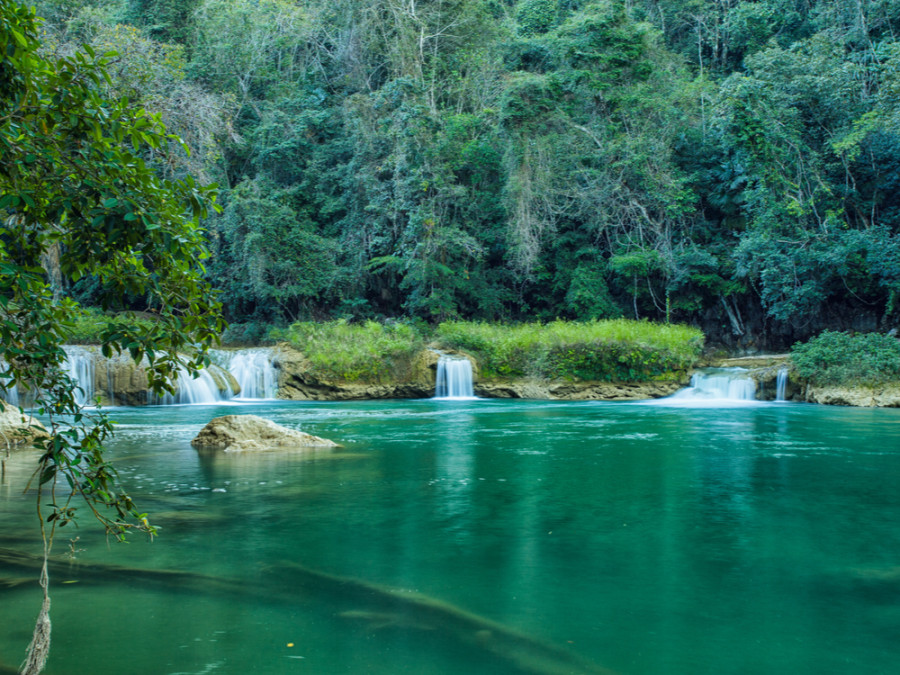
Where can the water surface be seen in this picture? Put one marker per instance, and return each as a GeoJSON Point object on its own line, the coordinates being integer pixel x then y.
{"type": "Point", "coordinates": [644, 538]}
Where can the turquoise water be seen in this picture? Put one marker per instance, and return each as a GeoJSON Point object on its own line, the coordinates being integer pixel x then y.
{"type": "Point", "coordinates": [639, 537]}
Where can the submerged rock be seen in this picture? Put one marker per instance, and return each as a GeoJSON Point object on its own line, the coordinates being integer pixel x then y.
{"type": "Point", "coordinates": [242, 433]}
{"type": "Point", "coordinates": [18, 429]}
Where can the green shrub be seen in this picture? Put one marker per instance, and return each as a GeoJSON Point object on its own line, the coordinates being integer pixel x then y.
{"type": "Point", "coordinates": [369, 352]}
{"type": "Point", "coordinates": [617, 350]}
{"type": "Point", "coordinates": [835, 358]}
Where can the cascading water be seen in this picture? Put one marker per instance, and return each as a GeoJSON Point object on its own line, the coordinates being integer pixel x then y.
{"type": "Point", "coordinates": [188, 390]}
{"type": "Point", "coordinates": [80, 365]}
{"type": "Point", "coordinates": [720, 384]}
{"type": "Point", "coordinates": [253, 370]}
{"type": "Point", "coordinates": [8, 392]}
{"type": "Point", "coordinates": [454, 378]}
{"type": "Point", "coordinates": [781, 384]}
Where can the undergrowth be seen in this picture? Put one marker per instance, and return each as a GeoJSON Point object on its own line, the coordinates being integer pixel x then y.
{"type": "Point", "coordinates": [618, 350]}
{"type": "Point", "coordinates": [368, 352]}
{"type": "Point", "coordinates": [88, 325]}
{"type": "Point", "coordinates": [835, 358]}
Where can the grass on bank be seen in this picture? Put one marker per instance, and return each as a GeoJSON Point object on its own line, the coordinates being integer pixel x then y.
{"type": "Point", "coordinates": [367, 352]}
{"type": "Point", "coordinates": [618, 350]}
{"type": "Point", "coordinates": [615, 351]}
{"type": "Point", "coordinates": [90, 323]}
{"type": "Point", "coordinates": [835, 358]}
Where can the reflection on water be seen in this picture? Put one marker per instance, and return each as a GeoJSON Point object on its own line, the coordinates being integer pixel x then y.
{"type": "Point", "coordinates": [642, 538]}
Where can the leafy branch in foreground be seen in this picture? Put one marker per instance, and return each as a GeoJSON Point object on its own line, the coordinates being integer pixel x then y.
{"type": "Point", "coordinates": [78, 197]}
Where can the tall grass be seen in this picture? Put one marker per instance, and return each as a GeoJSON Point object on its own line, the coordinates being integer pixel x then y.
{"type": "Point", "coordinates": [369, 352]}
{"type": "Point", "coordinates": [88, 325]}
{"type": "Point", "coordinates": [614, 350]}
{"type": "Point", "coordinates": [835, 358]}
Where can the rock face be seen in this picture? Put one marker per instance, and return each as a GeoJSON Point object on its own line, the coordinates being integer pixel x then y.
{"type": "Point", "coordinates": [243, 433]}
{"type": "Point", "coordinates": [578, 391]}
{"type": "Point", "coordinates": [752, 362]}
{"type": "Point", "coordinates": [18, 430]}
{"type": "Point", "coordinates": [886, 396]}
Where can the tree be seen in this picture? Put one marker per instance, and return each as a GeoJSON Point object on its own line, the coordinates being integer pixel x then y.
{"type": "Point", "coordinates": [77, 197]}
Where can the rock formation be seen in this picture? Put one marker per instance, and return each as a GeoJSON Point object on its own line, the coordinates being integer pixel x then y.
{"type": "Point", "coordinates": [298, 381]}
{"type": "Point", "coordinates": [578, 391]}
{"type": "Point", "coordinates": [884, 396]}
{"type": "Point", "coordinates": [243, 433]}
{"type": "Point", "coordinates": [18, 429]}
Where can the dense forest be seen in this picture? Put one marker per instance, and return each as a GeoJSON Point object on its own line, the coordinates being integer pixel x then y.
{"type": "Point", "coordinates": [730, 164]}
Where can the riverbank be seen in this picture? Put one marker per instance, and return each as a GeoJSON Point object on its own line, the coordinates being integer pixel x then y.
{"type": "Point", "coordinates": [597, 360]}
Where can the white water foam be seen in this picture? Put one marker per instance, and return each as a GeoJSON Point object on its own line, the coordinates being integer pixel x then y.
{"type": "Point", "coordinates": [454, 379]}
{"type": "Point", "coordinates": [254, 371]}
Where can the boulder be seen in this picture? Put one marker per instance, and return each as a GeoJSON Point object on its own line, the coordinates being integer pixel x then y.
{"type": "Point", "coordinates": [18, 429]}
{"type": "Point", "coordinates": [242, 433]}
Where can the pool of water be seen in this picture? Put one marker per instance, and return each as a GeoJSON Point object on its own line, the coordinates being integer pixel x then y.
{"type": "Point", "coordinates": [487, 537]}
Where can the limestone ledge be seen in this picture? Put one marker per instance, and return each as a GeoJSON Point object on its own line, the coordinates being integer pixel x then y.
{"type": "Point", "coordinates": [296, 381]}
{"type": "Point", "coordinates": [885, 396]}
{"type": "Point", "coordinates": [577, 391]}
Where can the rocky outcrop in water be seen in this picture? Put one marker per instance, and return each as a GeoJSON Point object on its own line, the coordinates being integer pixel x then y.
{"type": "Point", "coordinates": [119, 381]}
{"type": "Point", "coordinates": [298, 381]}
{"type": "Point", "coordinates": [883, 396]}
{"type": "Point", "coordinates": [243, 433]}
{"type": "Point", "coordinates": [578, 391]}
{"type": "Point", "coordinates": [18, 429]}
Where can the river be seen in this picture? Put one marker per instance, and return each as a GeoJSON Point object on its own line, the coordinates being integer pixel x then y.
{"type": "Point", "coordinates": [642, 538]}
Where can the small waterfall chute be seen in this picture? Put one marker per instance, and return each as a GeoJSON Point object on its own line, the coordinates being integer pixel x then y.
{"type": "Point", "coordinates": [719, 384]}
{"type": "Point", "coordinates": [189, 390]}
{"type": "Point", "coordinates": [80, 366]}
{"type": "Point", "coordinates": [781, 384]}
{"type": "Point", "coordinates": [454, 378]}
{"type": "Point", "coordinates": [254, 371]}
{"type": "Point", "coordinates": [9, 392]}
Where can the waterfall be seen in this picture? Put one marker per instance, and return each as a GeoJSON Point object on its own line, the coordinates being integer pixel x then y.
{"type": "Point", "coordinates": [454, 378]}
{"type": "Point", "coordinates": [720, 384]}
{"type": "Point", "coordinates": [80, 366]}
{"type": "Point", "coordinates": [781, 384]}
{"type": "Point", "coordinates": [253, 369]}
{"type": "Point", "coordinates": [8, 392]}
{"type": "Point", "coordinates": [200, 389]}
